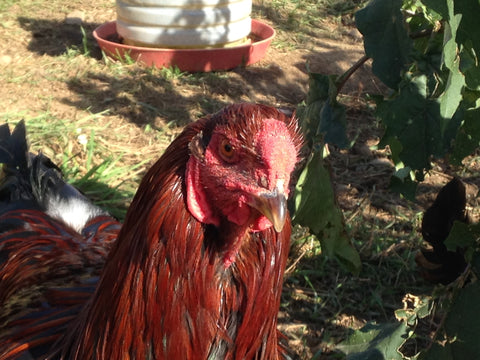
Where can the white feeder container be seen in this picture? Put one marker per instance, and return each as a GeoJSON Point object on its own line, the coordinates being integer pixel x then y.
{"type": "Point", "coordinates": [184, 23]}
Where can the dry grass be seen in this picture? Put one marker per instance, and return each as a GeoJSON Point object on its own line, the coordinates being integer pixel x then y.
{"type": "Point", "coordinates": [111, 120]}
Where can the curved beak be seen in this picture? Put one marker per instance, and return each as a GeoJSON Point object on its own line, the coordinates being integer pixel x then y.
{"type": "Point", "coordinates": [273, 205]}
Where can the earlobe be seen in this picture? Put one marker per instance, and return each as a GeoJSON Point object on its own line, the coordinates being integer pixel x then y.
{"type": "Point", "coordinates": [196, 198]}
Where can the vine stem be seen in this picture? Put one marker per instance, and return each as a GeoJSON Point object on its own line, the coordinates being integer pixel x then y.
{"type": "Point", "coordinates": [346, 75]}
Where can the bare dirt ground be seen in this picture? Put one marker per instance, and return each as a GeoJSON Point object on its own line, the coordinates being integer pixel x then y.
{"type": "Point", "coordinates": [41, 76]}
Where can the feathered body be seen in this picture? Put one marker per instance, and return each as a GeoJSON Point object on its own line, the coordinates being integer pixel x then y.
{"type": "Point", "coordinates": [197, 270]}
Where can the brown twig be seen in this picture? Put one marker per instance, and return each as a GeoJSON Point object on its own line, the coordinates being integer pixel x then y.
{"type": "Point", "coordinates": [294, 264]}
{"type": "Point", "coordinates": [346, 75]}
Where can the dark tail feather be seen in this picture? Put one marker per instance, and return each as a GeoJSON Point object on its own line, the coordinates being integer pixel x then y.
{"type": "Point", "coordinates": [13, 146]}
{"type": "Point", "coordinates": [14, 185]}
{"type": "Point", "coordinates": [35, 180]}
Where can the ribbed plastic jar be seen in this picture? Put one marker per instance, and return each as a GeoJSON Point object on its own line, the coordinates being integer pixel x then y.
{"type": "Point", "coordinates": [184, 23]}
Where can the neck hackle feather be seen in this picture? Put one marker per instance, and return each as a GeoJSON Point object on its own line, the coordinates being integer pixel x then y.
{"type": "Point", "coordinates": [172, 287]}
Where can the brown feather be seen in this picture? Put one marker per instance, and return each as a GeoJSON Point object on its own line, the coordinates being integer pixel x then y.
{"type": "Point", "coordinates": [165, 292]}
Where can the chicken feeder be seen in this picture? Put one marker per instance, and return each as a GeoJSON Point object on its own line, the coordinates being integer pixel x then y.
{"type": "Point", "coordinates": [192, 60]}
{"type": "Point", "coordinates": [194, 35]}
{"type": "Point", "coordinates": [183, 23]}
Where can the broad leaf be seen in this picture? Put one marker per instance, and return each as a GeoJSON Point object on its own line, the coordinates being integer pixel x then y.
{"type": "Point", "coordinates": [468, 136]}
{"type": "Point", "coordinates": [414, 308]}
{"type": "Point", "coordinates": [439, 6]}
{"type": "Point", "coordinates": [402, 183]}
{"type": "Point", "coordinates": [469, 31]}
{"type": "Point", "coordinates": [323, 121]}
{"type": "Point", "coordinates": [451, 97]}
{"type": "Point", "coordinates": [386, 39]}
{"type": "Point", "coordinates": [439, 352]}
{"type": "Point", "coordinates": [383, 341]}
{"type": "Point", "coordinates": [470, 67]}
{"type": "Point", "coordinates": [414, 121]}
{"type": "Point", "coordinates": [323, 118]}
{"type": "Point", "coordinates": [316, 208]}
{"type": "Point", "coordinates": [450, 34]}
{"type": "Point", "coordinates": [375, 342]}
{"type": "Point", "coordinates": [462, 328]}
{"type": "Point", "coordinates": [462, 323]}
{"type": "Point", "coordinates": [462, 235]}
{"type": "Point", "coordinates": [468, 34]}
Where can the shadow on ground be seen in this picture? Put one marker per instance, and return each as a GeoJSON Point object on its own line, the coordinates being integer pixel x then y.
{"type": "Point", "coordinates": [147, 96]}
{"type": "Point", "coordinates": [54, 38]}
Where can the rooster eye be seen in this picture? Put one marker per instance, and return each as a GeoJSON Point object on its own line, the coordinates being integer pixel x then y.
{"type": "Point", "coordinates": [226, 150]}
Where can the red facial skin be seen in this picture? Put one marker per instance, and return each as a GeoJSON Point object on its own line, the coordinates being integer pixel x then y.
{"type": "Point", "coordinates": [197, 269]}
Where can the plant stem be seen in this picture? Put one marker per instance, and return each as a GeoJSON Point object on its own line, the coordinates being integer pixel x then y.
{"type": "Point", "coordinates": [346, 75]}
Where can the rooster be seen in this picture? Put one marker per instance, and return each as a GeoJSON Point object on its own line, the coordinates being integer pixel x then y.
{"type": "Point", "coordinates": [195, 271]}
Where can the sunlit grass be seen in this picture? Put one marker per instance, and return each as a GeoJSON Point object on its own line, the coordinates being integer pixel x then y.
{"type": "Point", "coordinates": [102, 174]}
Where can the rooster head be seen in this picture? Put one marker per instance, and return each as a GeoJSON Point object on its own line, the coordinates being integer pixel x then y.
{"type": "Point", "coordinates": [240, 167]}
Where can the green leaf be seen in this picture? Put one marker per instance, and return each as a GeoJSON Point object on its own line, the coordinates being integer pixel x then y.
{"type": "Point", "coordinates": [439, 6]}
{"type": "Point", "coordinates": [323, 118]}
{"type": "Point", "coordinates": [402, 183]}
{"type": "Point", "coordinates": [438, 352]}
{"type": "Point", "coordinates": [462, 328]}
{"type": "Point", "coordinates": [450, 49]}
{"type": "Point", "coordinates": [462, 235]}
{"type": "Point", "coordinates": [386, 39]}
{"type": "Point", "coordinates": [316, 208]}
{"type": "Point", "coordinates": [415, 307]}
{"type": "Point", "coordinates": [468, 136]}
{"type": "Point", "coordinates": [452, 96]}
{"type": "Point", "coordinates": [375, 342]}
{"type": "Point", "coordinates": [471, 69]}
{"type": "Point", "coordinates": [333, 124]}
{"type": "Point", "coordinates": [462, 323]}
{"type": "Point", "coordinates": [414, 121]}
{"type": "Point", "coordinates": [468, 40]}
{"type": "Point", "coordinates": [435, 75]}
{"type": "Point", "coordinates": [320, 87]}
{"type": "Point", "coordinates": [469, 31]}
